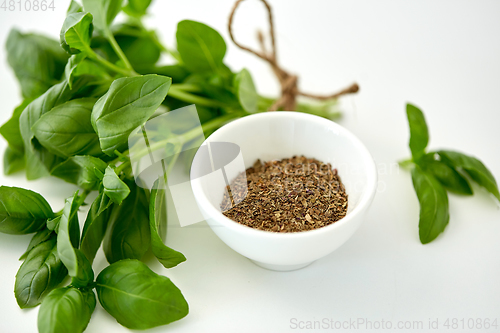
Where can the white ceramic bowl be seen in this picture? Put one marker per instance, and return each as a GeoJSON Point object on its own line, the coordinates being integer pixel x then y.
{"type": "Point", "coordinates": [276, 135]}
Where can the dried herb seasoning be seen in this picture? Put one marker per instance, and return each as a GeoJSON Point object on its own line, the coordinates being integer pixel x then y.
{"type": "Point", "coordinates": [290, 195]}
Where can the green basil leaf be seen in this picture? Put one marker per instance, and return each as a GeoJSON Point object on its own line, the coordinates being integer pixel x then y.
{"type": "Point", "coordinates": [246, 92]}
{"type": "Point", "coordinates": [76, 32]}
{"type": "Point", "coordinates": [139, 298]}
{"type": "Point", "coordinates": [103, 11]}
{"type": "Point", "coordinates": [434, 213]}
{"type": "Point", "coordinates": [114, 187]}
{"type": "Point", "coordinates": [473, 167]}
{"type": "Point", "coordinates": [128, 235]}
{"type": "Point", "coordinates": [447, 175]}
{"type": "Point", "coordinates": [41, 272]}
{"type": "Point", "coordinates": [56, 95]}
{"type": "Point", "coordinates": [74, 7]}
{"type": "Point", "coordinates": [201, 48]}
{"type": "Point", "coordinates": [13, 161]}
{"type": "Point", "coordinates": [80, 170]}
{"type": "Point", "coordinates": [136, 8]}
{"type": "Point", "coordinates": [10, 130]}
{"type": "Point", "coordinates": [142, 52]}
{"type": "Point", "coordinates": [40, 237]}
{"type": "Point", "coordinates": [53, 223]}
{"type": "Point", "coordinates": [68, 239]}
{"type": "Point", "coordinates": [66, 130]}
{"type": "Point", "coordinates": [22, 211]}
{"type": "Point", "coordinates": [419, 134]}
{"type": "Point", "coordinates": [79, 66]}
{"type": "Point", "coordinates": [66, 310]}
{"type": "Point", "coordinates": [38, 62]}
{"type": "Point", "coordinates": [128, 104]}
{"type": "Point", "coordinates": [95, 226]}
{"type": "Point", "coordinates": [157, 219]}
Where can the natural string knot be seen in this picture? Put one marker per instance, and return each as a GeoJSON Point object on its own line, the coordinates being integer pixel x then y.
{"type": "Point", "coordinates": [288, 81]}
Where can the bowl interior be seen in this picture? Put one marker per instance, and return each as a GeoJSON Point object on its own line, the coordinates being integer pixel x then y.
{"type": "Point", "coordinates": [278, 135]}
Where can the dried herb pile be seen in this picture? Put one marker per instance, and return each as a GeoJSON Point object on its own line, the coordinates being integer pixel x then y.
{"type": "Point", "coordinates": [290, 195]}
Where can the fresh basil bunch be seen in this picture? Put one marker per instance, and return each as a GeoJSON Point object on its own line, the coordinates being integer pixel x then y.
{"type": "Point", "coordinates": [436, 172]}
{"type": "Point", "coordinates": [82, 99]}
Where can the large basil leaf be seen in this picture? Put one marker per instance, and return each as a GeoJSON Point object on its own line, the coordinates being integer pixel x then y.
{"type": "Point", "coordinates": [10, 130]}
{"type": "Point", "coordinates": [157, 220]}
{"type": "Point", "coordinates": [56, 95]}
{"type": "Point", "coordinates": [103, 11]}
{"type": "Point", "coordinates": [40, 237]}
{"type": "Point", "coordinates": [114, 187]}
{"type": "Point", "coordinates": [95, 226]}
{"type": "Point", "coordinates": [419, 134]}
{"type": "Point", "coordinates": [38, 62]}
{"type": "Point", "coordinates": [13, 161]}
{"type": "Point", "coordinates": [434, 213]}
{"type": "Point", "coordinates": [246, 92]}
{"type": "Point", "coordinates": [139, 298]}
{"type": "Point", "coordinates": [41, 272]}
{"type": "Point", "coordinates": [128, 104]}
{"type": "Point", "coordinates": [22, 211]}
{"type": "Point", "coordinates": [66, 310]}
{"type": "Point", "coordinates": [80, 170]}
{"type": "Point", "coordinates": [68, 239]}
{"type": "Point", "coordinates": [201, 48]}
{"type": "Point", "coordinates": [128, 235]}
{"type": "Point", "coordinates": [473, 167]}
{"type": "Point", "coordinates": [66, 130]}
{"type": "Point", "coordinates": [76, 32]}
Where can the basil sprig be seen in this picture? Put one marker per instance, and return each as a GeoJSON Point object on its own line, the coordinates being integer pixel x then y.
{"type": "Point", "coordinates": [437, 172]}
{"type": "Point", "coordinates": [82, 97]}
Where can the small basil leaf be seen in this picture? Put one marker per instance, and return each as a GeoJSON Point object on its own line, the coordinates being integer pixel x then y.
{"type": "Point", "coordinates": [41, 272]}
{"type": "Point", "coordinates": [114, 187]}
{"type": "Point", "coordinates": [136, 8]}
{"type": "Point", "coordinates": [95, 226]}
{"type": "Point", "coordinates": [76, 32]}
{"type": "Point", "coordinates": [473, 167]}
{"type": "Point", "coordinates": [40, 237]}
{"type": "Point", "coordinates": [38, 62]}
{"type": "Point", "coordinates": [10, 130]}
{"type": "Point", "coordinates": [66, 310]}
{"type": "Point", "coordinates": [128, 104]}
{"type": "Point", "coordinates": [74, 7]}
{"type": "Point", "coordinates": [139, 298]}
{"type": "Point", "coordinates": [22, 211]}
{"type": "Point", "coordinates": [103, 11]}
{"type": "Point", "coordinates": [68, 239]}
{"type": "Point", "coordinates": [53, 223]}
{"type": "Point", "coordinates": [245, 88]}
{"type": "Point", "coordinates": [66, 130]}
{"type": "Point", "coordinates": [434, 213]}
{"type": "Point", "coordinates": [158, 218]}
{"type": "Point", "coordinates": [128, 234]}
{"type": "Point", "coordinates": [201, 48]}
{"type": "Point", "coordinates": [80, 170]}
{"type": "Point", "coordinates": [447, 175]}
{"type": "Point", "coordinates": [419, 134]}
{"type": "Point", "coordinates": [13, 161]}
{"type": "Point", "coordinates": [56, 95]}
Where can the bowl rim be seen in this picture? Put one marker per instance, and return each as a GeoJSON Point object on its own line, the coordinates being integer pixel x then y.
{"type": "Point", "coordinates": [364, 202]}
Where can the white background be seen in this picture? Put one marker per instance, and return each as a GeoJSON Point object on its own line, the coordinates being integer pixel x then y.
{"type": "Point", "coordinates": [443, 56]}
